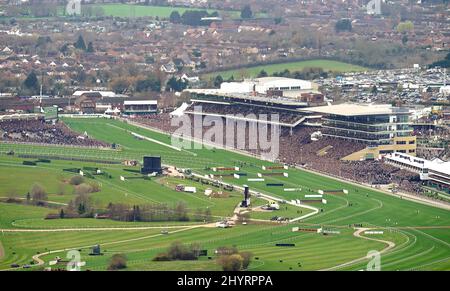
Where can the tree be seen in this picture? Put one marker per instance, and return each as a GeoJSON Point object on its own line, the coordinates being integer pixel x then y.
{"type": "Point", "coordinates": [208, 215]}
{"type": "Point", "coordinates": [43, 41]}
{"type": "Point", "coordinates": [136, 213]}
{"type": "Point", "coordinates": [83, 203]}
{"type": "Point", "coordinates": [83, 189]}
{"type": "Point", "coordinates": [80, 44]}
{"type": "Point", "coordinates": [343, 25]}
{"type": "Point", "coordinates": [194, 17]}
{"type": "Point", "coordinates": [231, 263]}
{"type": "Point", "coordinates": [262, 74]}
{"type": "Point", "coordinates": [151, 83]}
{"type": "Point", "coordinates": [181, 212]}
{"type": "Point", "coordinates": [404, 39]}
{"type": "Point", "coordinates": [90, 47]}
{"type": "Point", "coordinates": [64, 49]}
{"type": "Point", "coordinates": [198, 216]}
{"type": "Point", "coordinates": [38, 194]}
{"type": "Point", "coordinates": [246, 12]}
{"type": "Point", "coordinates": [175, 84]}
{"type": "Point", "coordinates": [445, 63]}
{"type": "Point", "coordinates": [404, 27]}
{"type": "Point", "coordinates": [12, 195]}
{"type": "Point", "coordinates": [76, 180]}
{"type": "Point", "coordinates": [374, 90]}
{"type": "Point", "coordinates": [31, 82]}
{"type": "Point", "coordinates": [118, 262]}
{"type": "Point", "coordinates": [247, 258]}
{"type": "Point", "coordinates": [218, 80]}
{"type": "Point", "coordinates": [175, 17]}
{"type": "Point", "coordinates": [120, 85]}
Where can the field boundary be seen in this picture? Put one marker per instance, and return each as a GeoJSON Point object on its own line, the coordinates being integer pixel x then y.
{"type": "Point", "coordinates": [275, 62]}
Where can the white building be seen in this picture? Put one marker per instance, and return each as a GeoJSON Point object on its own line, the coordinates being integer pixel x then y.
{"type": "Point", "coordinates": [445, 90]}
{"type": "Point", "coordinates": [103, 94]}
{"type": "Point", "coordinates": [140, 107]}
{"type": "Point", "coordinates": [289, 87]}
{"type": "Point", "coordinates": [436, 172]}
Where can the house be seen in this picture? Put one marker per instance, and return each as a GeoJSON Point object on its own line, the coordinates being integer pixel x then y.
{"type": "Point", "coordinates": [189, 79]}
{"type": "Point", "coordinates": [7, 51]}
{"type": "Point", "coordinates": [85, 104]}
{"type": "Point", "coordinates": [169, 68]}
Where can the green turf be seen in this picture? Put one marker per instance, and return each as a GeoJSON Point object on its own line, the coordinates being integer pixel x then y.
{"type": "Point", "coordinates": [416, 247]}
{"type": "Point", "coordinates": [251, 72]}
{"type": "Point", "coordinates": [130, 10]}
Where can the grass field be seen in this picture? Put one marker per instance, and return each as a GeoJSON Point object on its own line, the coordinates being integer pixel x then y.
{"type": "Point", "coordinates": [130, 10]}
{"type": "Point", "coordinates": [251, 72]}
{"type": "Point", "coordinates": [420, 232]}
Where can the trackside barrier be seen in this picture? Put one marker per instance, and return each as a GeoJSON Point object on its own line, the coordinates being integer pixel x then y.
{"type": "Point", "coordinates": [373, 232]}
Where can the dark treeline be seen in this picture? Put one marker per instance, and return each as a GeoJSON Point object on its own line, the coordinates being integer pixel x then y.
{"type": "Point", "coordinates": [192, 17]}
{"type": "Point", "coordinates": [305, 74]}
{"type": "Point", "coordinates": [156, 212]}
{"type": "Point", "coordinates": [135, 213]}
{"type": "Point", "coordinates": [445, 63]}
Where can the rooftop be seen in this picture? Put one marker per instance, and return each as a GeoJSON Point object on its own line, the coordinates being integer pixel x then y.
{"type": "Point", "coordinates": [350, 109]}
{"type": "Point", "coordinates": [245, 96]}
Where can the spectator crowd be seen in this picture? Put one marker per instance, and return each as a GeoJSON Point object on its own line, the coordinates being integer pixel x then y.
{"type": "Point", "coordinates": [323, 155]}
{"type": "Point", "coordinates": [38, 131]}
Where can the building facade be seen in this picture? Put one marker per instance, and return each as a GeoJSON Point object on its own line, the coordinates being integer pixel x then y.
{"type": "Point", "coordinates": [385, 129]}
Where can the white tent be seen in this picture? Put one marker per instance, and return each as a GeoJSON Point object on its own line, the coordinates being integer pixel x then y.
{"type": "Point", "coordinates": [180, 110]}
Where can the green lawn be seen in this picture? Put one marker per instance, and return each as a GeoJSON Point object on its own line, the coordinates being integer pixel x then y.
{"type": "Point", "coordinates": [251, 72]}
{"type": "Point", "coordinates": [130, 10]}
{"type": "Point", "coordinates": [403, 221]}
{"type": "Point", "coordinates": [131, 191]}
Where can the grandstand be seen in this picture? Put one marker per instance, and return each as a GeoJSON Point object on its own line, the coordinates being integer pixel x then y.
{"type": "Point", "coordinates": [435, 173]}
{"type": "Point", "coordinates": [271, 95]}
{"type": "Point", "coordinates": [383, 128]}
{"type": "Point", "coordinates": [140, 107]}
{"type": "Point", "coordinates": [323, 138]}
{"type": "Point", "coordinates": [33, 128]}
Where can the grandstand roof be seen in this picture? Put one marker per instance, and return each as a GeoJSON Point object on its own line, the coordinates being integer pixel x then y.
{"type": "Point", "coordinates": [283, 82]}
{"type": "Point", "coordinates": [102, 93]}
{"type": "Point", "coordinates": [140, 102]}
{"type": "Point", "coordinates": [244, 96]}
{"type": "Point", "coordinates": [435, 165]}
{"type": "Point", "coordinates": [350, 109]}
